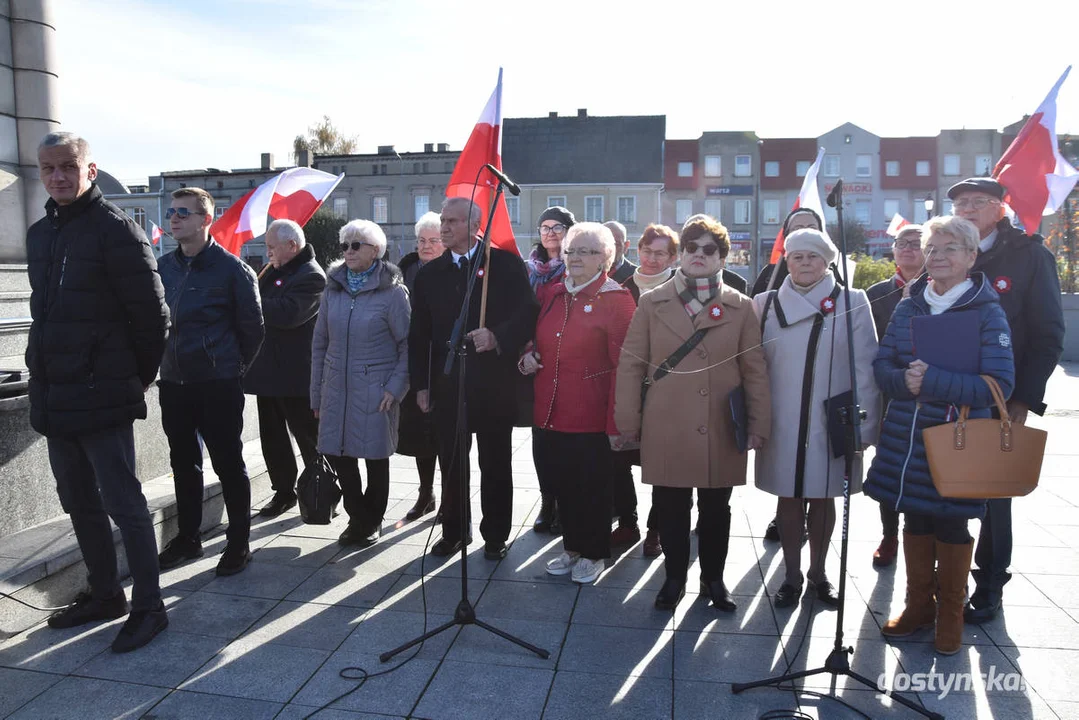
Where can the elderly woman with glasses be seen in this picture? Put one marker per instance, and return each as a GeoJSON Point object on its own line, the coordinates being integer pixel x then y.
{"type": "Point", "coordinates": [579, 333]}
{"type": "Point", "coordinates": [359, 374]}
{"type": "Point", "coordinates": [937, 546]}
{"type": "Point", "coordinates": [417, 433]}
{"type": "Point", "coordinates": [708, 335]}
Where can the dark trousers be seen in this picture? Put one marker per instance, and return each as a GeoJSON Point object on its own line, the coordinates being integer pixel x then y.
{"type": "Point", "coordinates": [889, 520]}
{"type": "Point", "coordinates": [577, 467]}
{"type": "Point", "coordinates": [949, 530]}
{"type": "Point", "coordinates": [95, 479]}
{"type": "Point", "coordinates": [673, 506]}
{"type": "Point", "coordinates": [365, 509]}
{"type": "Point", "coordinates": [496, 484]}
{"type": "Point", "coordinates": [993, 555]}
{"type": "Point", "coordinates": [625, 492]}
{"type": "Point", "coordinates": [213, 410]}
{"type": "Point", "coordinates": [277, 417]}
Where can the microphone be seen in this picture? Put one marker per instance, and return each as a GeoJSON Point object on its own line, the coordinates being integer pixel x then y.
{"type": "Point", "coordinates": [510, 185]}
{"type": "Point", "coordinates": [837, 190]}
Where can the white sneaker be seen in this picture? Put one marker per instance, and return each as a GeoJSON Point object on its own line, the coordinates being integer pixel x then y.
{"type": "Point", "coordinates": [586, 571]}
{"type": "Point", "coordinates": [563, 564]}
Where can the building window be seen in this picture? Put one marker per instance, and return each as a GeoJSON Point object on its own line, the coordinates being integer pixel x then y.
{"type": "Point", "coordinates": [513, 209]}
{"type": "Point", "coordinates": [374, 169]}
{"type": "Point", "coordinates": [770, 212]}
{"type": "Point", "coordinates": [219, 210]}
{"type": "Point", "coordinates": [682, 210]}
{"type": "Point", "coordinates": [382, 169]}
{"type": "Point", "coordinates": [713, 207]}
{"type": "Point", "coordinates": [983, 165]}
{"type": "Point", "coordinates": [448, 166]}
{"type": "Point", "coordinates": [553, 200]}
{"type": "Point", "coordinates": [920, 215]}
{"type": "Point", "coordinates": [951, 164]}
{"type": "Point", "coordinates": [685, 169]}
{"type": "Point", "coordinates": [340, 208]}
{"type": "Point", "coordinates": [416, 168]}
{"type": "Point", "coordinates": [421, 204]}
{"type": "Point", "coordinates": [713, 165]}
{"type": "Point", "coordinates": [743, 166]}
{"type": "Point", "coordinates": [138, 215]}
{"type": "Point", "coordinates": [380, 209]}
{"type": "Point", "coordinates": [891, 209]}
{"type": "Point", "coordinates": [864, 166]}
{"type": "Point", "coordinates": [863, 212]}
{"type": "Point", "coordinates": [593, 208]}
{"type": "Point", "coordinates": [627, 210]}
{"type": "Point", "coordinates": [921, 168]}
{"type": "Point", "coordinates": [947, 209]}
{"type": "Point", "coordinates": [771, 168]}
{"type": "Point", "coordinates": [743, 211]}
{"type": "Point", "coordinates": [831, 166]}
{"type": "Point", "coordinates": [802, 167]}
{"type": "Point", "coordinates": [891, 168]}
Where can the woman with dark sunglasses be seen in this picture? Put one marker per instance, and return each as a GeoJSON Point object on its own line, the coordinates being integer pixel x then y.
{"type": "Point", "coordinates": [359, 374]}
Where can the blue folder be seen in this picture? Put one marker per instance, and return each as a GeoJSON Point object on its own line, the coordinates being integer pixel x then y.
{"type": "Point", "coordinates": [950, 341]}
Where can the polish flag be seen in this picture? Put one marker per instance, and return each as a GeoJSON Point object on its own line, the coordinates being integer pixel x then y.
{"type": "Point", "coordinates": [898, 223]}
{"type": "Point", "coordinates": [295, 195]}
{"type": "Point", "coordinates": [808, 197]}
{"type": "Point", "coordinates": [1036, 176]}
{"type": "Point", "coordinates": [485, 146]}
{"type": "Point", "coordinates": [155, 234]}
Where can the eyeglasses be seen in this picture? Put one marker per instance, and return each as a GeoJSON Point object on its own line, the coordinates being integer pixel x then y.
{"type": "Point", "coordinates": [582, 253]}
{"type": "Point", "coordinates": [950, 250]}
{"type": "Point", "coordinates": [657, 254]}
{"type": "Point", "coordinates": [907, 244]}
{"type": "Point", "coordinates": [977, 203]}
{"type": "Point", "coordinates": [429, 241]}
{"type": "Point", "coordinates": [183, 212]}
{"type": "Point", "coordinates": [354, 246]}
{"type": "Point", "coordinates": [709, 249]}
{"type": "Point", "coordinates": [557, 229]}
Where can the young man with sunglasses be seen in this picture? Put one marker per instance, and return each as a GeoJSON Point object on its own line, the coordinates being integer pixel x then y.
{"type": "Point", "coordinates": [217, 330]}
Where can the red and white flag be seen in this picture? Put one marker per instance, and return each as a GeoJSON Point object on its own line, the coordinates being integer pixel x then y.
{"type": "Point", "coordinates": [295, 195]}
{"type": "Point", "coordinates": [485, 146]}
{"type": "Point", "coordinates": [808, 197]}
{"type": "Point", "coordinates": [1035, 174]}
{"type": "Point", "coordinates": [898, 223]}
{"type": "Point", "coordinates": [155, 234]}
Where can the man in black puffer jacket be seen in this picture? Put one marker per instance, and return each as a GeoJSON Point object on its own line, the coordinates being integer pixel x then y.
{"type": "Point", "coordinates": [99, 328]}
{"type": "Point", "coordinates": [216, 332]}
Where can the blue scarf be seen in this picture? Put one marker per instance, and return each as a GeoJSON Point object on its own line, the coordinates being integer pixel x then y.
{"type": "Point", "coordinates": [356, 280]}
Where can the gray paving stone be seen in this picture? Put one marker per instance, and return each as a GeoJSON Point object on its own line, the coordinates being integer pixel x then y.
{"type": "Point", "coordinates": [634, 571]}
{"type": "Point", "coordinates": [261, 580]}
{"type": "Point", "coordinates": [478, 645]}
{"type": "Point", "coordinates": [617, 651]}
{"type": "Point", "coordinates": [443, 594]}
{"type": "Point", "coordinates": [173, 657]}
{"type": "Point", "coordinates": [306, 625]}
{"type": "Point", "coordinates": [479, 568]}
{"type": "Point", "coordinates": [696, 700]}
{"type": "Point", "coordinates": [461, 691]}
{"type": "Point", "coordinates": [753, 616]}
{"type": "Point", "coordinates": [1049, 672]}
{"type": "Point", "coordinates": [192, 576]}
{"type": "Point", "coordinates": [705, 657]}
{"type": "Point", "coordinates": [1065, 710]}
{"type": "Point", "coordinates": [869, 702]}
{"type": "Point", "coordinates": [872, 658]}
{"type": "Point", "coordinates": [576, 695]}
{"type": "Point", "coordinates": [303, 712]}
{"type": "Point", "coordinates": [1060, 590]}
{"type": "Point", "coordinates": [528, 601]}
{"type": "Point", "coordinates": [57, 651]}
{"type": "Point", "coordinates": [342, 585]}
{"type": "Point", "coordinates": [383, 630]}
{"type": "Point", "coordinates": [226, 616]}
{"type": "Point", "coordinates": [182, 705]}
{"type": "Point", "coordinates": [18, 687]}
{"type": "Point", "coordinates": [1034, 627]}
{"type": "Point", "coordinates": [620, 607]}
{"type": "Point", "coordinates": [977, 707]}
{"type": "Point", "coordinates": [382, 559]}
{"type": "Point", "coordinates": [394, 693]}
{"type": "Point", "coordinates": [259, 671]}
{"type": "Point", "coordinates": [303, 551]}
{"type": "Point", "coordinates": [94, 700]}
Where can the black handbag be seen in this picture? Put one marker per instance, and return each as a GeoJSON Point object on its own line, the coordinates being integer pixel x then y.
{"type": "Point", "coordinates": [317, 493]}
{"type": "Point", "coordinates": [671, 363]}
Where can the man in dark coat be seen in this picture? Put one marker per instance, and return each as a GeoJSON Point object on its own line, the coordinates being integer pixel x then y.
{"type": "Point", "coordinates": [490, 375]}
{"type": "Point", "coordinates": [216, 332]}
{"type": "Point", "coordinates": [98, 331]}
{"type": "Point", "coordinates": [280, 376]}
{"type": "Point", "coordinates": [1023, 272]}
{"type": "Point", "coordinates": [621, 269]}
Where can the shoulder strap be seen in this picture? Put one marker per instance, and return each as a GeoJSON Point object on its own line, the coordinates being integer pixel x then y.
{"type": "Point", "coordinates": [767, 307]}
{"type": "Point", "coordinates": [679, 355]}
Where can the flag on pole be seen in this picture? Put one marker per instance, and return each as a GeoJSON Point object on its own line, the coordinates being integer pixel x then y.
{"type": "Point", "coordinates": [155, 234]}
{"type": "Point", "coordinates": [485, 146]}
{"type": "Point", "coordinates": [808, 197]}
{"type": "Point", "coordinates": [295, 195]}
{"type": "Point", "coordinates": [1036, 177]}
{"type": "Point", "coordinates": [898, 223]}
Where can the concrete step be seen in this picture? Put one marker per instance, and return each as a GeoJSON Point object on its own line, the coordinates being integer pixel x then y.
{"type": "Point", "coordinates": [12, 344]}
{"type": "Point", "coordinates": [14, 304]}
{"type": "Point", "coordinates": [13, 278]}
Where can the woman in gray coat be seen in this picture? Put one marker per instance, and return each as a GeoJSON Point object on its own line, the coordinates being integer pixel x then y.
{"type": "Point", "coordinates": [359, 374]}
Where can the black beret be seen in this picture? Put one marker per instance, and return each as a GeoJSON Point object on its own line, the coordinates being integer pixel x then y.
{"type": "Point", "coordinates": [989, 186]}
{"type": "Point", "coordinates": [558, 213]}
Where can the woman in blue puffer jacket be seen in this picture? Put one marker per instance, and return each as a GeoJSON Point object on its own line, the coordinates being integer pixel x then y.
{"type": "Point", "coordinates": [935, 535]}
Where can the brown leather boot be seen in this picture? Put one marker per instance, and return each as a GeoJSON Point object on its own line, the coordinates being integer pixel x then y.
{"type": "Point", "coordinates": [919, 554]}
{"type": "Point", "coordinates": [953, 568]}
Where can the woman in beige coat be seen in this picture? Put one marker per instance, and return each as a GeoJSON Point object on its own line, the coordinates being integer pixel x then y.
{"type": "Point", "coordinates": [686, 430]}
{"type": "Point", "coordinates": [805, 342]}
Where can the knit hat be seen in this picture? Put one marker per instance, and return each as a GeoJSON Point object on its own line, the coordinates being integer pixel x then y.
{"type": "Point", "coordinates": [810, 240]}
{"type": "Point", "coordinates": [558, 213]}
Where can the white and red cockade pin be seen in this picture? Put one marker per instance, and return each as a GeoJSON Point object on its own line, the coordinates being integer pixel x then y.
{"type": "Point", "coordinates": [1002, 284]}
{"type": "Point", "coordinates": [715, 311]}
{"type": "Point", "coordinates": [479, 273]}
{"type": "Point", "coordinates": [588, 308]}
{"type": "Point", "coordinates": [278, 282]}
{"type": "Point", "coordinates": [827, 305]}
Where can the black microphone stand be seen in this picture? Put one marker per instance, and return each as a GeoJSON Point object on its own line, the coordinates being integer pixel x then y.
{"type": "Point", "coordinates": [465, 613]}
{"type": "Point", "coordinates": [838, 661]}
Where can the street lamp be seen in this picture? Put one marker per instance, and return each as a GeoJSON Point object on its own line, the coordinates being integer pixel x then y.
{"type": "Point", "coordinates": [928, 203]}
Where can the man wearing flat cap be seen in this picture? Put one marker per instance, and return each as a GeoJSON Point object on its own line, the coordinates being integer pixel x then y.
{"type": "Point", "coordinates": [1023, 272]}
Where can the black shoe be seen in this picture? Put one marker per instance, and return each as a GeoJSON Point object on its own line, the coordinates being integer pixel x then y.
{"type": "Point", "coordinates": [371, 537]}
{"type": "Point", "coordinates": [425, 503]}
{"type": "Point", "coordinates": [85, 610]}
{"type": "Point", "coordinates": [233, 560]}
{"type": "Point", "coordinates": [548, 508]}
{"type": "Point", "coordinates": [981, 609]}
{"type": "Point", "coordinates": [178, 551]}
{"type": "Point", "coordinates": [787, 596]}
{"type": "Point", "coordinates": [141, 627]}
{"type": "Point", "coordinates": [556, 523]}
{"type": "Point", "coordinates": [771, 533]}
{"type": "Point", "coordinates": [354, 534]}
{"type": "Point", "coordinates": [494, 551]}
{"type": "Point", "coordinates": [717, 591]}
{"type": "Point", "coordinates": [446, 547]}
{"type": "Point", "coordinates": [670, 594]}
{"type": "Point", "coordinates": [280, 502]}
{"type": "Point", "coordinates": [824, 592]}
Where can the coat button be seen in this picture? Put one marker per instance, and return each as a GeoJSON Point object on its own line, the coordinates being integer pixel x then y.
{"type": "Point", "coordinates": [702, 430]}
{"type": "Point", "coordinates": [558, 334]}
{"type": "Point", "coordinates": [703, 392]}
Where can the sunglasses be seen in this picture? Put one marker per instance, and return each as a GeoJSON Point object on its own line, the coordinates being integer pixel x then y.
{"type": "Point", "coordinates": [709, 249]}
{"type": "Point", "coordinates": [345, 247]}
{"type": "Point", "coordinates": [183, 212]}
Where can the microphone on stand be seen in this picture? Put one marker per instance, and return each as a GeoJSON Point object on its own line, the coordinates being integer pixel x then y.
{"type": "Point", "coordinates": [510, 185]}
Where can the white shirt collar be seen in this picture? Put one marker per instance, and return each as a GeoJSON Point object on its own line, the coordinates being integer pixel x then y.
{"type": "Point", "coordinates": [986, 244]}
{"type": "Point", "coordinates": [471, 252]}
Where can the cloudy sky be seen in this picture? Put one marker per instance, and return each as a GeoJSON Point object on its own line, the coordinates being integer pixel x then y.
{"type": "Point", "coordinates": [159, 85]}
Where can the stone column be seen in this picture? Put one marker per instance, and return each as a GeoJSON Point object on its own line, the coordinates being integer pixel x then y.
{"type": "Point", "coordinates": [29, 109]}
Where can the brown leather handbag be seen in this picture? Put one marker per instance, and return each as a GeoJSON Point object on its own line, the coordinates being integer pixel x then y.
{"type": "Point", "coordinates": [984, 458]}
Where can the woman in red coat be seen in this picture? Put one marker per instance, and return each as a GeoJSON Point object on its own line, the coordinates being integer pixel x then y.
{"type": "Point", "coordinates": [582, 322]}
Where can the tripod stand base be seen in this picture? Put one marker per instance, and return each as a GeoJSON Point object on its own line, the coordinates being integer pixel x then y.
{"type": "Point", "coordinates": [464, 615]}
{"type": "Point", "coordinates": [838, 663]}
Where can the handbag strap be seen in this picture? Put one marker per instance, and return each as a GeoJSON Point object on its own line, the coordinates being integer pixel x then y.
{"type": "Point", "coordinates": [678, 355]}
{"type": "Point", "coordinates": [998, 400]}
